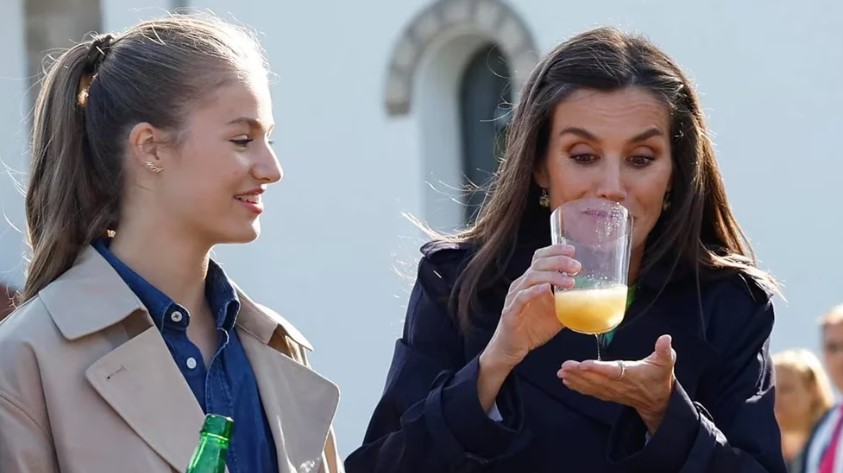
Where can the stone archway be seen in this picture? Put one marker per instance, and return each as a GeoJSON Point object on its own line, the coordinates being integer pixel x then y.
{"type": "Point", "coordinates": [491, 19]}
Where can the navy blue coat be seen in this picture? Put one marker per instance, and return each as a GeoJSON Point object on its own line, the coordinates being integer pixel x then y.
{"type": "Point", "coordinates": [719, 420]}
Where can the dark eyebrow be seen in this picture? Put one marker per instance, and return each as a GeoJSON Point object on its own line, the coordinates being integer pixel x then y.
{"type": "Point", "coordinates": [583, 133]}
{"type": "Point", "coordinates": [647, 135]}
{"type": "Point", "coordinates": [251, 123]}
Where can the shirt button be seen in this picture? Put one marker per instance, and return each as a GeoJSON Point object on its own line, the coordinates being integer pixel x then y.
{"type": "Point", "coordinates": [176, 316]}
{"type": "Point", "coordinates": [191, 363]}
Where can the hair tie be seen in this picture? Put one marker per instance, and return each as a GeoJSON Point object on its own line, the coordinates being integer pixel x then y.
{"type": "Point", "coordinates": [98, 50]}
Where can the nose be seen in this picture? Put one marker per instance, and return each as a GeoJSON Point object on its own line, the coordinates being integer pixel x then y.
{"type": "Point", "coordinates": [611, 186]}
{"type": "Point", "coordinates": [267, 169]}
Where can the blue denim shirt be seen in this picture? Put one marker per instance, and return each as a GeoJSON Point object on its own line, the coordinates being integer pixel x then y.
{"type": "Point", "coordinates": [228, 386]}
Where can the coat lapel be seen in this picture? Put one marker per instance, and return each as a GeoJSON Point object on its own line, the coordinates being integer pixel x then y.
{"type": "Point", "coordinates": [672, 315]}
{"type": "Point", "coordinates": [139, 380]}
{"type": "Point", "coordinates": [299, 403]}
{"type": "Point", "coordinates": [138, 377]}
{"type": "Point", "coordinates": [540, 366]}
{"type": "Point", "coordinates": [634, 339]}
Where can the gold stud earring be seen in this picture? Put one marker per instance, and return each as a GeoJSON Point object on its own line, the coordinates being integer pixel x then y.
{"type": "Point", "coordinates": [153, 167]}
{"type": "Point", "coordinates": [544, 200]}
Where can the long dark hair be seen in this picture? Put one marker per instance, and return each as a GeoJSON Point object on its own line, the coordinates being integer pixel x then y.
{"type": "Point", "coordinates": [92, 96]}
{"type": "Point", "coordinates": [699, 229]}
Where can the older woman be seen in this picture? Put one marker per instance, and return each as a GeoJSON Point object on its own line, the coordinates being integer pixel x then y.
{"type": "Point", "coordinates": [477, 381]}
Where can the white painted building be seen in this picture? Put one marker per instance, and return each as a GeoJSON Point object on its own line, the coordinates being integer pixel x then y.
{"type": "Point", "coordinates": [367, 105]}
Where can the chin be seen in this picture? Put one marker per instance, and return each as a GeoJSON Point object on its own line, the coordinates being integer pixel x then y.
{"type": "Point", "coordinates": [243, 235]}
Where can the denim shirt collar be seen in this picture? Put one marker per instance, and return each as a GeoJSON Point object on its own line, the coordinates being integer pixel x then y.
{"type": "Point", "coordinates": [219, 292]}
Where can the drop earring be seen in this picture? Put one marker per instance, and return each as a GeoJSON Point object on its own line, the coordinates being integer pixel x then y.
{"type": "Point", "coordinates": [544, 200]}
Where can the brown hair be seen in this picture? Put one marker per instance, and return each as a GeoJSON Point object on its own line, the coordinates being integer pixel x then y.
{"type": "Point", "coordinates": [8, 297]}
{"type": "Point", "coordinates": [809, 368]}
{"type": "Point", "coordinates": [699, 228]}
{"type": "Point", "coordinates": [91, 97]}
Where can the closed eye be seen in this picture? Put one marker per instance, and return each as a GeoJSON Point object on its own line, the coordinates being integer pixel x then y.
{"type": "Point", "coordinates": [585, 158]}
{"type": "Point", "coordinates": [242, 142]}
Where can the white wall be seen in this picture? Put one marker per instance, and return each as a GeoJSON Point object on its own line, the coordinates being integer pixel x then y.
{"type": "Point", "coordinates": [333, 235]}
{"type": "Point", "coordinates": [436, 108]}
{"type": "Point", "coordinates": [14, 109]}
{"type": "Point", "coordinates": [118, 15]}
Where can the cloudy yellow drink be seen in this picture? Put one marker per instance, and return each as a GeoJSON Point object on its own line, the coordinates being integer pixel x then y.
{"type": "Point", "coordinates": [591, 311]}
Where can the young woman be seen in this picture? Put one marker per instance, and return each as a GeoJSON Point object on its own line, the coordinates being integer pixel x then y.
{"type": "Point", "coordinates": [149, 148]}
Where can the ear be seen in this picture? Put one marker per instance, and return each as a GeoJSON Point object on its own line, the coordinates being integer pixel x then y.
{"type": "Point", "coordinates": [541, 176]}
{"type": "Point", "coordinates": [148, 144]}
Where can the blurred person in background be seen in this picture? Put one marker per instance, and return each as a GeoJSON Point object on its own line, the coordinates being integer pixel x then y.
{"type": "Point", "coordinates": [823, 453]}
{"type": "Point", "coordinates": [803, 396]}
{"type": "Point", "coordinates": [149, 148]}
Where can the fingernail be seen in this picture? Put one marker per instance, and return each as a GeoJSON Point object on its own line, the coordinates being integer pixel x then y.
{"type": "Point", "coordinates": [576, 266]}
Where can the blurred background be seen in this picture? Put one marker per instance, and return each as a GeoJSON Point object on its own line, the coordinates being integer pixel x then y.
{"type": "Point", "coordinates": [385, 107]}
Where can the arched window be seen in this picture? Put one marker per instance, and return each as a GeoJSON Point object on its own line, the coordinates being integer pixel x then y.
{"type": "Point", "coordinates": [453, 72]}
{"type": "Point", "coordinates": [484, 95]}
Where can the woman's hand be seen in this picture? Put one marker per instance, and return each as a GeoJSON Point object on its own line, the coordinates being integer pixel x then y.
{"type": "Point", "coordinates": [528, 319]}
{"type": "Point", "coordinates": [645, 385]}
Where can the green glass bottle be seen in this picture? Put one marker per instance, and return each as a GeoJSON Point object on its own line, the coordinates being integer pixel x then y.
{"type": "Point", "coordinates": [209, 456]}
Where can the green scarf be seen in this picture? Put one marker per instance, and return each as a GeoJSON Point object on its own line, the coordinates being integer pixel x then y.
{"type": "Point", "coordinates": [630, 296]}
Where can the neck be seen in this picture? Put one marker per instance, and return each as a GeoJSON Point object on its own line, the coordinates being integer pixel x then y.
{"type": "Point", "coordinates": [793, 442]}
{"type": "Point", "coordinates": [174, 263]}
{"type": "Point", "coordinates": [797, 425]}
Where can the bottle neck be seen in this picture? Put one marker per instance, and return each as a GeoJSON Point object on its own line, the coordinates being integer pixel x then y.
{"type": "Point", "coordinates": [210, 455]}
